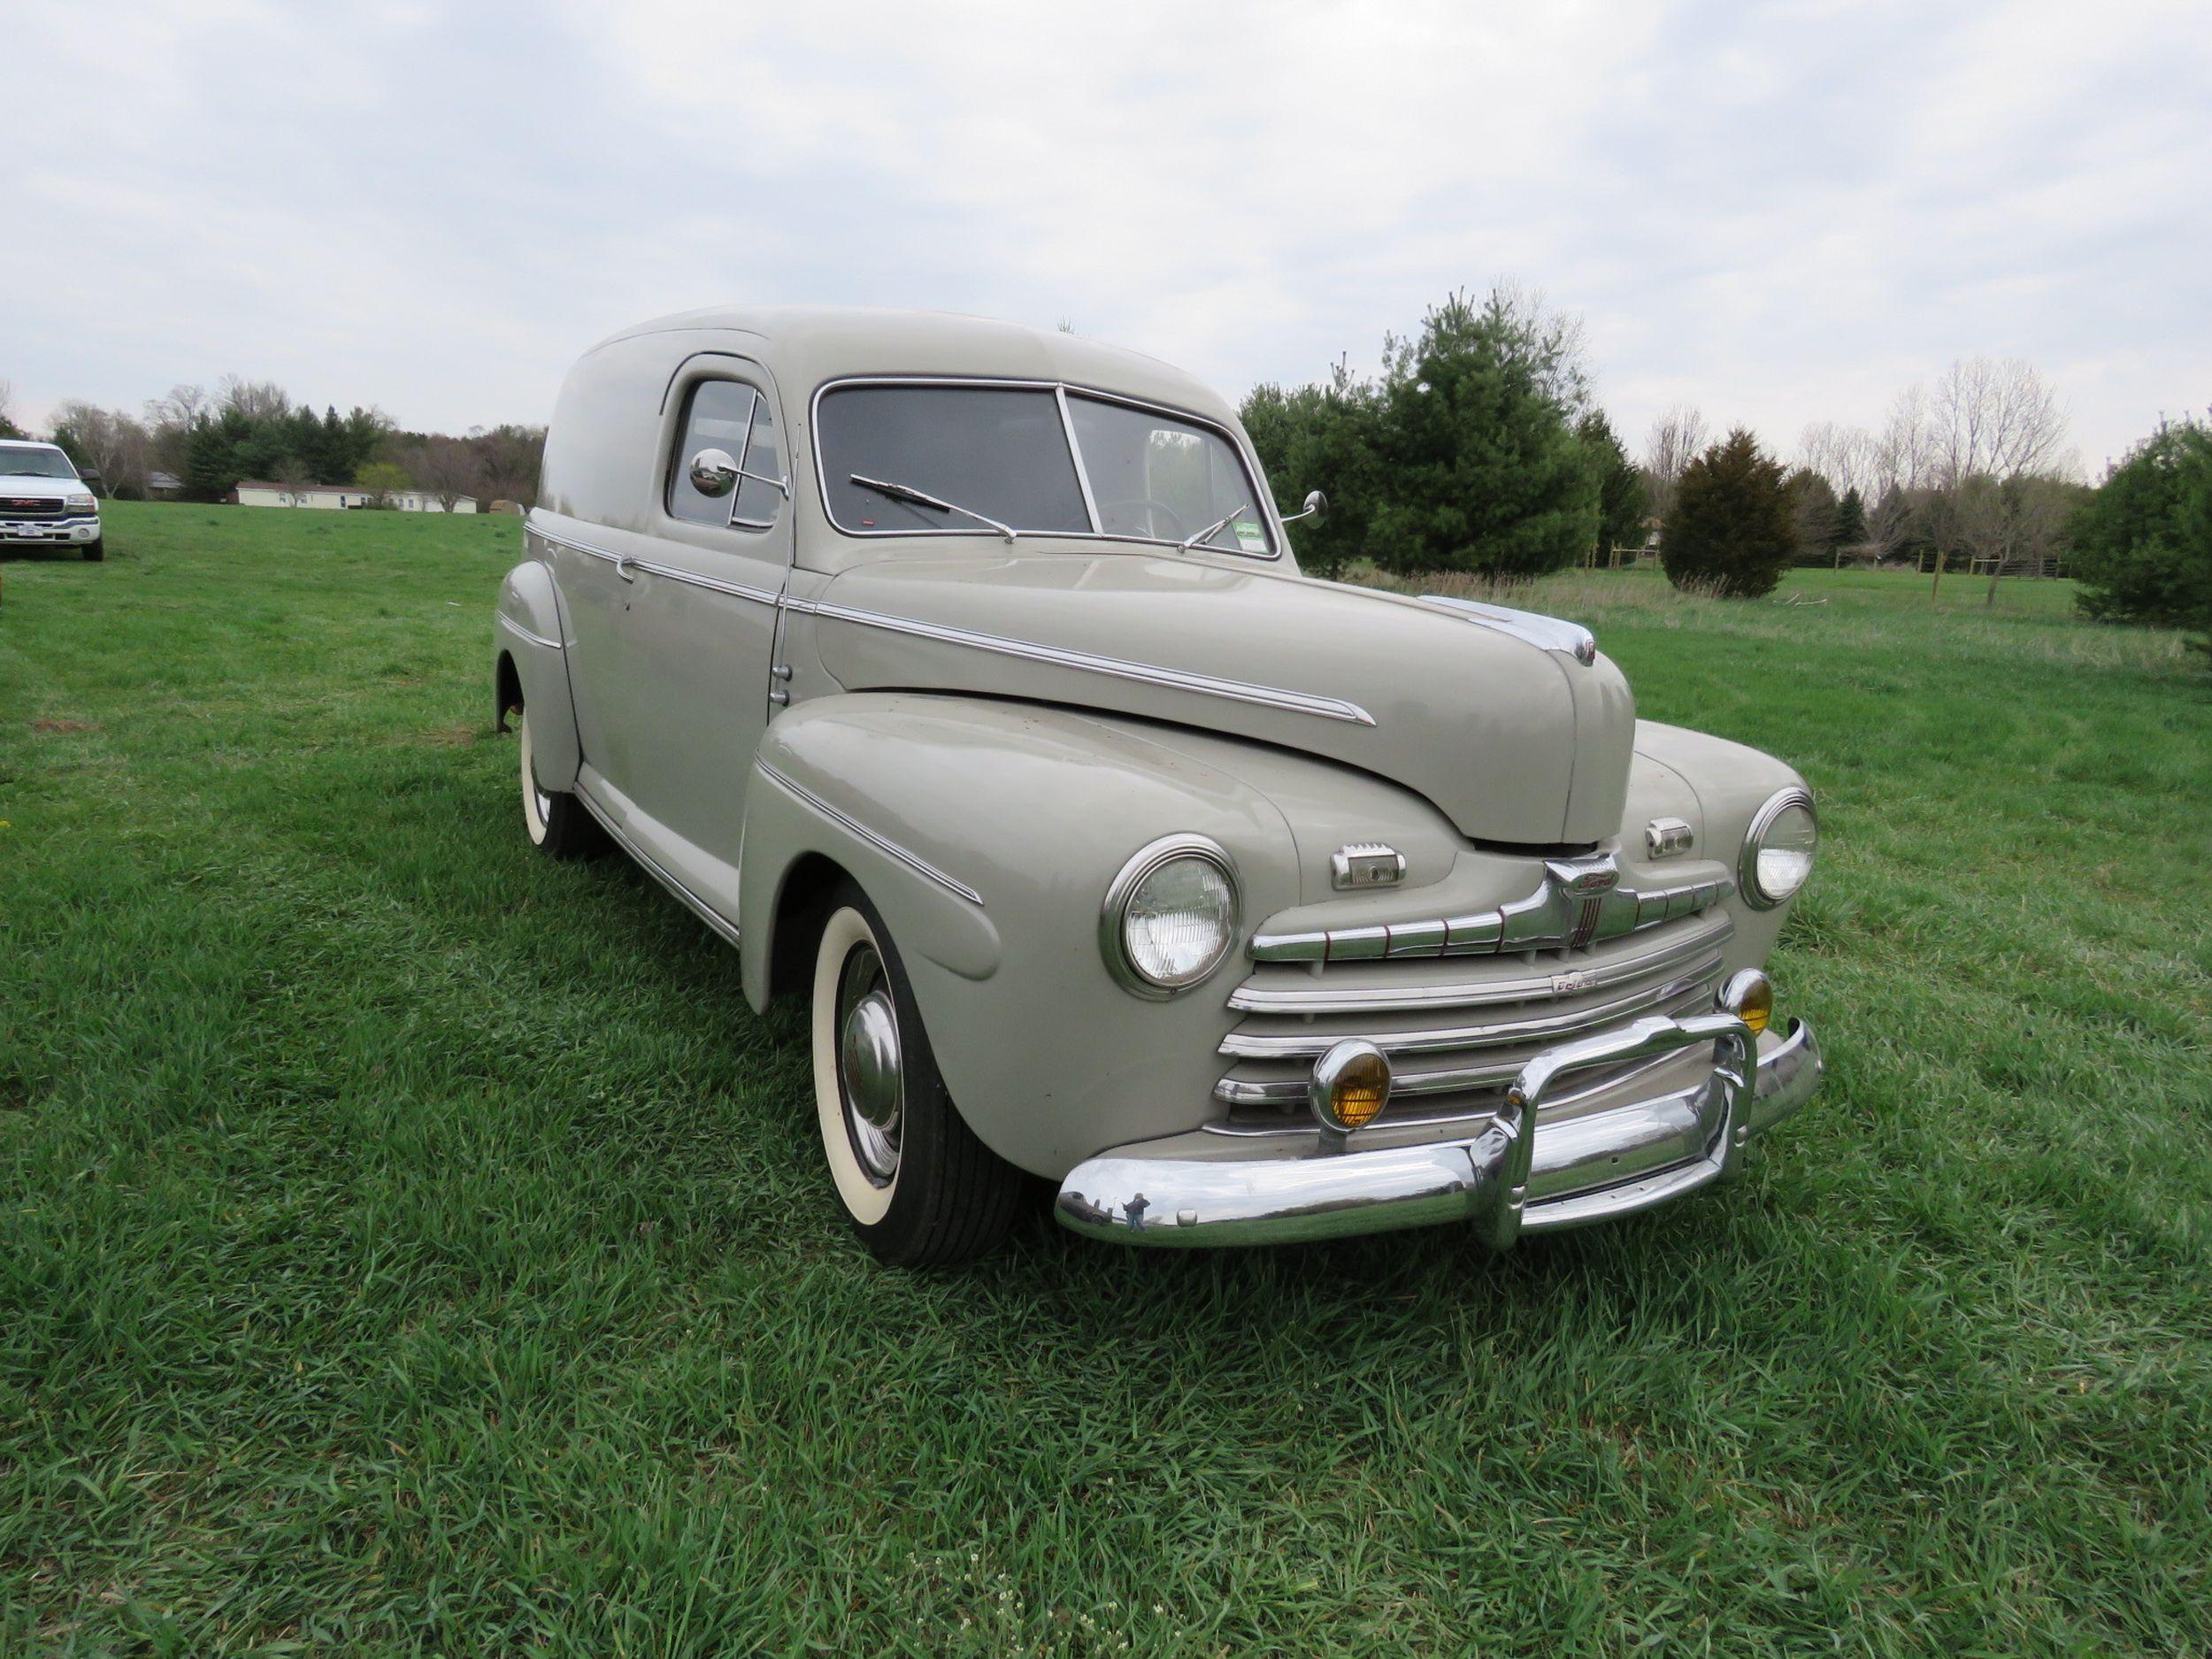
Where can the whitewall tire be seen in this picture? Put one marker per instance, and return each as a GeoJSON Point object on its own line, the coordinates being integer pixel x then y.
{"type": "Point", "coordinates": [916, 1184]}
{"type": "Point", "coordinates": [557, 824]}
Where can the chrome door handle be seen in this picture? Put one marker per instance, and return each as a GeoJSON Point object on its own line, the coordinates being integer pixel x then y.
{"type": "Point", "coordinates": [626, 568]}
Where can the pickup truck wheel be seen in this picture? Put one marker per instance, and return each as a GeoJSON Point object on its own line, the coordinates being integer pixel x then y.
{"type": "Point", "coordinates": [96, 550]}
{"type": "Point", "coordinates": [919, 1187]}
{"type": "Point", "coordinates": [558, 824]}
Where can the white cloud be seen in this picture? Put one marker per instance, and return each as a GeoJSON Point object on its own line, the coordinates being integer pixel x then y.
{"type": "Point", "coordinates": [1781, 215]}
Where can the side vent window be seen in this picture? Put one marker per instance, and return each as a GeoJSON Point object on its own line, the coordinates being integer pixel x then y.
{"type": "Point", "coordinates": [727, 458]}
{"type": "Point", "coordinates": [757, 499]}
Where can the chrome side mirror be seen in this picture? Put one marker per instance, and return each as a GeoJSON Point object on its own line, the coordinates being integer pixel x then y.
{"type": "Point", "coordinates": [1316, 503]}
{"type": "Point", "coordinates": [713, 473]}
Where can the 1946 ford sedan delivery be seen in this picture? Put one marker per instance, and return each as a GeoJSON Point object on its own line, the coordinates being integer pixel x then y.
{"type": "Point", "coordinates": [962, 677]}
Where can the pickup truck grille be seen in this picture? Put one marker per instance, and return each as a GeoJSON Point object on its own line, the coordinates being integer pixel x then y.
{"type": "Point", "coordinates": [1457, 1030]}
{"type": "Point", "coordinates": [33, 507]}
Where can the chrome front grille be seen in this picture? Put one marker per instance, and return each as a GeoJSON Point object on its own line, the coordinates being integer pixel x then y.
{"type": "Point", "coordinates": [1457, 1030]}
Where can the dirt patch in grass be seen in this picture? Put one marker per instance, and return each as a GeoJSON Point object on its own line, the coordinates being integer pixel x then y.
{"type": "Point", "coordinates": [65, 725]}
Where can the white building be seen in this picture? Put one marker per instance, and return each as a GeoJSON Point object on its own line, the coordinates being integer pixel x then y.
{"type": "Point", "coordinates": [254, 492]}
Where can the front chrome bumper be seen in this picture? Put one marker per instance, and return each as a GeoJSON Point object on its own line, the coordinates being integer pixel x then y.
{"type": "Point", "coordinates": [50, 531]}
{"type": "Point", "coordinates": [1506, 1179]}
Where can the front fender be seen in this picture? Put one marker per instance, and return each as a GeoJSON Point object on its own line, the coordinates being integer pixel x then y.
{"type": "Point", "coordinates": [1728, 782]}
{"type": "Point", "coordinates": [527, 631]}
{"type": "Point", "coordinates": [987, 833]}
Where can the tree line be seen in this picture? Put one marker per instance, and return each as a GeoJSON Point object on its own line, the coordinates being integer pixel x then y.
{"type": "Point", "coordinates": [1479, 448]}
{"type": "Point", "coordinates": [252, 429]}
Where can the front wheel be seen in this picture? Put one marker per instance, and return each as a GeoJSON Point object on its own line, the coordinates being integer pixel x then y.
{"type": "Point", "coordinates": [558, 825]}
{"type": "Point", "coordinates": [96, 550]}
{"type": "Point", "coordinates": [917, 1185]}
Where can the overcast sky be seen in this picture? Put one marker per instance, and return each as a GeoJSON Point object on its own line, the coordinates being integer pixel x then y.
{"type": "Point", "coordinates": [1778, 213]}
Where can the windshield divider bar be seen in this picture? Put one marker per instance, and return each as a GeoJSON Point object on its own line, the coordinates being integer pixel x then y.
{"type": "Point", "coordinates": [1082, 472]}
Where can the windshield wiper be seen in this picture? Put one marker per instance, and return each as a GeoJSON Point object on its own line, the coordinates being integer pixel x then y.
{"type": "Point", "coordinates": [907, 492]}
{"type": "Point", "coordinates": [1213, 529]}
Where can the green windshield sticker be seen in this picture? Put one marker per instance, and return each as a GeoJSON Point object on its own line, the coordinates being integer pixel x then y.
{"type": "Point", "coordinates": [1250, 537]}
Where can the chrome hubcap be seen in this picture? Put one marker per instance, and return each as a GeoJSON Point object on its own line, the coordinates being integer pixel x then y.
{"type": "Point", "coordinates": [870, 1078]}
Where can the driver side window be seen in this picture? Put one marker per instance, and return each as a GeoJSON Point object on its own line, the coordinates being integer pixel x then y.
{"type": "Point", "coordinates": [734, 418]}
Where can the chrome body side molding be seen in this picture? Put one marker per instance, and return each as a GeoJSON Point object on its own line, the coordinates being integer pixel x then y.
{"type": "Point", "coordinates": [630, 568]}
{"type": "Point", "coordinates": [1550, 634]}
{"type": "Point", "coordinates": [1113, 667]}
{"type": "Point", "coordinates": [719, 924]}
{"type": "Point", "coordinates": [883, 844]}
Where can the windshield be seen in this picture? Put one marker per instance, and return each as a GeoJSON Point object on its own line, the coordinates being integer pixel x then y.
{"type": "Point", "coordinates": [34, 462]}
{"type": "Point", "coordinates": [1001, 453]}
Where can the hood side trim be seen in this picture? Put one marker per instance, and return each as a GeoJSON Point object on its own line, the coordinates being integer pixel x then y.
{"type": "Point", "coordinates": [1113, 667]}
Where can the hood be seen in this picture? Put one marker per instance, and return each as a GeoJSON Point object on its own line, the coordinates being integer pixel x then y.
{"type": "Point", "coordinates": [1512, 739]}
{"type": "Point", "coordinates": [25, 487]}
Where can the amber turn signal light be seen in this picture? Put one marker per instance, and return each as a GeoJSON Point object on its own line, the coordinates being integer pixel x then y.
{"type": "Point", "coordinates": [1350, 1086]}
{"type": "Point", "coordinates": [1749, 997]}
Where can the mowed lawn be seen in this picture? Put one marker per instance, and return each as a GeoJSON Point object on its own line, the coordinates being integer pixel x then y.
{"type": "Point", "coordinates": [408, 1244]}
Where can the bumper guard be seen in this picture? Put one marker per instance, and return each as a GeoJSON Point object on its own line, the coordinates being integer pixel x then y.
{"type": "Point", "coordinates": [1505, 1179]}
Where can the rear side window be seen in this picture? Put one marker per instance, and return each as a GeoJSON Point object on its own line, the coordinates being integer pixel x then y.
{"type": "Point", "coordinates": [735, 418]}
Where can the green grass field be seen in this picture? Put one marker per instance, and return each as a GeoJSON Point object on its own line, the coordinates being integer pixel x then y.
{"type": "Point", "coordinates": [408, 1244]}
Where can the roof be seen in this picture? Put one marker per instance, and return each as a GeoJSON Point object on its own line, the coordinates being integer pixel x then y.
{"type": "Point", "coordinates": [158, 479]}
{"type": "Point", "coordinates": [27, 443]}
{"type": "Point", "coordinates": [806, 345]}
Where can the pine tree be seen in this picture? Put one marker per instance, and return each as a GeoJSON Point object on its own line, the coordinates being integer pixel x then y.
{"type": "Point", "coordinates": [1730, 531]}
{"type": "Point", "coordinates": [1622, 493]}
{"type": "Point", "coordinates": [1850, 529]}
{"type": "Point", "coordinates": [209, 472]}
{"type": "Point", "coordinates": [1486, 472]}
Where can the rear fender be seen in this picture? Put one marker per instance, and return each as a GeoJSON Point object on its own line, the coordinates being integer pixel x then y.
{"type": "Point", "coordinates": [529, 640]}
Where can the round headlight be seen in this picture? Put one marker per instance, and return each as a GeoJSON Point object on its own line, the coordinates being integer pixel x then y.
{"type": "Point", "coordinates": [1777, 852]}
{"type": "Point", "coordinates": [1170, 916]}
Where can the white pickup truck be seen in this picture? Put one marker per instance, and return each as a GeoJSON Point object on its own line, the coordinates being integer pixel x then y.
{"type": "Point", "coordinates": [45, 503]}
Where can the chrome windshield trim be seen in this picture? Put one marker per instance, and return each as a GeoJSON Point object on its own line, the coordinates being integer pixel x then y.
{"type": "Point", "coordinates": [1113, 667]}
{"type": "Point", "coordinates": [1082, 471]}
{"type": "Point", "coordinates": [1303, 1045]}
{"type": "Point", "coordinates": [1550, 633]}
{"type": "Point", "coordinates": [883, 844]}
{"type": "Point", "coordinates": [1321, 998]}
{"type": "Point", "coordinates": [1254, 476]}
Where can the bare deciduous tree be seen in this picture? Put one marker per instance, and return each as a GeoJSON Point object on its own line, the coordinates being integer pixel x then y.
{"type": "Point", "coordinates": [447, 467]}
{"type": "Point", "coordinates": [257, 399]}
{"type": "Point", "coordinates": [1677, 438]}
{"type": "Point", "coordinates": [169, 423]}
{"type": "Point", "coordinates": [7, 407]}
{"type": "Point", "coordinates": [508, 458]}
{"type": "Point", "coordinates": [293, 478]}
{"type": "Point", "coordinates": [1979, 438]}
{"type": "Point", "coordinates": [110, 441]}
{"type": "Point", "coordinates": [1998, 417]}
{"type": "Point", "coordinates": [1847, 457]}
